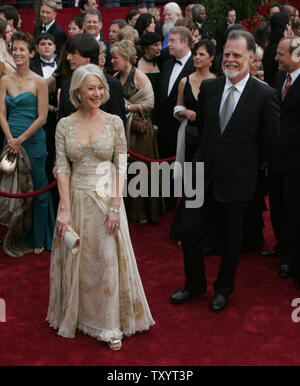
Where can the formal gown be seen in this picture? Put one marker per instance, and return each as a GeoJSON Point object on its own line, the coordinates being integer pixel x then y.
{"type": "Point", "coordinates": [143, 208]}
{"type": "Point", "coordinates": [98, 290]}
{"type": "Point", "coordinates": [22, 112]}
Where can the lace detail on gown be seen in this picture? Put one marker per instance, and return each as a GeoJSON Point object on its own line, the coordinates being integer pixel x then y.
{"type": "Point", "coordinates": [98, 290]}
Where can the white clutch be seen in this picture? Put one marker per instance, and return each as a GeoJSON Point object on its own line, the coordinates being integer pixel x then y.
{"type": "Point", "coordinates": [9, 163]}
{"type": "Point", "coordinates": [72, 240]}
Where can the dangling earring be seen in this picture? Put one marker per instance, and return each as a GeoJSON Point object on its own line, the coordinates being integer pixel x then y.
{"type": "Point", "coordinates": [79, 98]}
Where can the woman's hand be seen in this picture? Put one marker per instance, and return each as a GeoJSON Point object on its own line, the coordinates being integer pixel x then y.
{"type": "Point", "coordinates": [63, 219]}
{"type": "Point", "coordinates": [113, 223]}
{"type": "Point", "coordinates": [190, 115]}
{"type": "Point", "coordinates": [14, 146]}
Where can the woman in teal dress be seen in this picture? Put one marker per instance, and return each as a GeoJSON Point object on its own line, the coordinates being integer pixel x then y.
{"type": "Point", "coordinates": [23, 111]}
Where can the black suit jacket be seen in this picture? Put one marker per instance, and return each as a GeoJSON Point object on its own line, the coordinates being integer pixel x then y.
{"type": "Point", "coordinates": [56, 31]}
{"type": "Point", "coordinates": [286, 157]}
{"type": "Point", "coordinates": [232, 160]}
{"type": "Point", "coordinates": [115, 104]}
{"type": "Point", "coordinates": [168, 125]}
{"type": "Point", "coordinates": [221, 37]}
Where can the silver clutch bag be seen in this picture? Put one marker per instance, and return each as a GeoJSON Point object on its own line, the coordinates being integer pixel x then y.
{"type": "Point", "coordinates": [72, 240]}
{"type": "Point", "coordinates": [9, 163]}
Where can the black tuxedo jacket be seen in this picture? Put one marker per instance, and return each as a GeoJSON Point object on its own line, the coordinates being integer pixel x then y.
{"type": "Point", "coordinates": [36, 66]}
{"type": "Point", "coordinates": [168, 125]}
{"type": "Point", "coordinates": [232, 160]}
{"type": "Point", "coordinates": [115, 104]}
{"type": "Point", "coordinates": [56, 31]}
{"type": "Point", "coordinates": [221, 37]}
{"type": "Point", "coordinates": [286, 157]}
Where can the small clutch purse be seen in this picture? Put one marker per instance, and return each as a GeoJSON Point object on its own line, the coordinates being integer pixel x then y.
{"type": "Point", "coordinates": [9, 163]}
{"type": "Point", "coordinates": [72, 240]}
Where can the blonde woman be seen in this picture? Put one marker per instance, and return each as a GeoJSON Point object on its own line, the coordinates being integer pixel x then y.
{"type": "Point", "coordinates": [98, 289]}
{"type": "Point", "coordinates": [139, 94]}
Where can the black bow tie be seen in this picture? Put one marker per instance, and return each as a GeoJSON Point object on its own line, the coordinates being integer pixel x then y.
{"type": "Point", "coordinates": [177, 61]}
{"type": "Point", "coordinates": [51, 64]}
{"type": "Point", "coordinates": [43, 28]}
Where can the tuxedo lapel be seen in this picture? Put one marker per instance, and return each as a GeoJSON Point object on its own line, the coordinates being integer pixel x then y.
{"type": "Point", "coordinates": [187, 68]}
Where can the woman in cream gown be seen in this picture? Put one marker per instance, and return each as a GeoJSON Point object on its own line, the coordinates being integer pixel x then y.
{"type": "Point", "coordinates": [98, 289]}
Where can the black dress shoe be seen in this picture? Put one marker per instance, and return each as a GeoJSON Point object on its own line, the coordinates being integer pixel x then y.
{"type": "Point", "coordinates": [284, 271]}
{"type": "Point", "coordinates": [182, 296]}
{"type": "Point", "coordinates": [218, 303]}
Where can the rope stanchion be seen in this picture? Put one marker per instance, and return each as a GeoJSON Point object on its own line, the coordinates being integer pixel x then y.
{"type": "Point", "coordinates": [54, 183]}
{"type": "Point", "coordinates": [145, 159]}
{"type": "Point", "coordinates": [29, 194]}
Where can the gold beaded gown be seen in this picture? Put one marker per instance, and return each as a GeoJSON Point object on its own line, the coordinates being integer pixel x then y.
{"type": "Point", "coordinates": [98, 290]}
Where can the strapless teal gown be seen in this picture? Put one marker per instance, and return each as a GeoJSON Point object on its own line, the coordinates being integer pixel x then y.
{"type": "Point", "coordinates": [21, 113]}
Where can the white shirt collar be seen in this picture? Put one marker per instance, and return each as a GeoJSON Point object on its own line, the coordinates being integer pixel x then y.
{"type": "Point", "coordinates": [48, 26]}
{"type": "Point", "coordinates": [185, 59]}
{"type": "Point", "coordinates": [295, 74]}
{"type": "Point", "coordinates": [239, 86]}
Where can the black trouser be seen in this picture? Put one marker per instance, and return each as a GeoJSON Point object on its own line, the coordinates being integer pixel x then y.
{"type": "Point", "coordinates": [229, 217]}
{"type": "Point", "coordinates": [285, 215]}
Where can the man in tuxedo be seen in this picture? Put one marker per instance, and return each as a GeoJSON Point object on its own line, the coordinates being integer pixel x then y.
{"type": "Point", "coordinates": [48, 12]}
{"type": "Point", "coordinates": [44, 64]}
{"type": "Point", "coordinates": [199, 17]}
{"type": "Point", "coordinates": [239, 123]}
{"type": "Point", "coordinates": [284, 173]}
{"type": "Point", "coordinates": [92, 24]}
{"type": "Point", "coordinates": [172, 71]}
{"type": "Point", "coordinates": [222, 31]}
{"type": "Point", "coordinates": [83, 49]}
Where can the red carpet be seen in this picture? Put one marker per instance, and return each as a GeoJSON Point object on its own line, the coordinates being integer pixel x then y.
{"type": "Point", "coordinates": [255, 329]}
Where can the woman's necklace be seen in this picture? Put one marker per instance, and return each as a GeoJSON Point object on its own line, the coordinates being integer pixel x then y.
{"type": "Point", "coordinates": [153, 60]}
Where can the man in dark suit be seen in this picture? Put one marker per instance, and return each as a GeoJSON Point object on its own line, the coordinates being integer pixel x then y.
{"type": "Point", "coordinates": [83, 49]}
{"type": "Point", "coordinates": [172, 71]}
{"type": "Point", "coordinates": [222, 31]}
{"type": "Point", "coordinates": [199, 17]}
{"type": "Point", "coordinates": [92, 24]}
{"type": "Point", "coordinates": [238, 120]}
{"type": "Point", "coordinates": [284, 173]}
{"type": "Point", "coordinates": [48, 12]}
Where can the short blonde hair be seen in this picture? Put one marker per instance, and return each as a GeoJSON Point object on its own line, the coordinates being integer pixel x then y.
{"type": "Point", "coordinates": [78, 78]}
{"type": "Point", "coordinates": [126, 49]}
{"type": "Point", "coordinates": [153, 11]}
{"type": "Point", "coordinates": [259, 53]}
{"type": "Point", "coordinates": [51, 4]}
{"type": "Point", "coordinates": [128, 31]}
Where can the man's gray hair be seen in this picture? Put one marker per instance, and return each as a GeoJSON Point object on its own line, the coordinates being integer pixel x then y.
{"type": "Point", "coordinates": [92, 11]}
{"type": "Point", "coordinates": [197, 8]}
{"type": "Point", "coordinates": [184, 33]}
{"type": "Point", "coordinates": [236, 34]}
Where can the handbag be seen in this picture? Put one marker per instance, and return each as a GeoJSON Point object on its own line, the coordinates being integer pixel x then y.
{"type": "Point", "coordinates": [72, 240]}
{"type": "Point", "coordinates": [9, 163]}
{"type": "Point", "coordinates": [139, 126]}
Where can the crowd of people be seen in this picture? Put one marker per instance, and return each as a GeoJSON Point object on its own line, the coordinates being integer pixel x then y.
{"type": "Point", "coordinates": [71, 101]}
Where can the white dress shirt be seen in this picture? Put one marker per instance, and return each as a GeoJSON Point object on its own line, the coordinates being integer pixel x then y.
{"type": "Point", "coordinates": [177, 70]}
{"type": "Point", "coordinates": [237, 93]}
{"type": "Point", "coordinates": [48, 26]}
{"type": "Point", "coordinates": [48, 70]}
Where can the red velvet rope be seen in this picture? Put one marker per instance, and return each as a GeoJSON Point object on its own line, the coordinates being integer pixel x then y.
{"type": "Point", "coordinates": [53, 184]}
{"type": "Point", "coordinates": [145, 159]}
{"type": "Point", "coordinates": [29, 194]}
